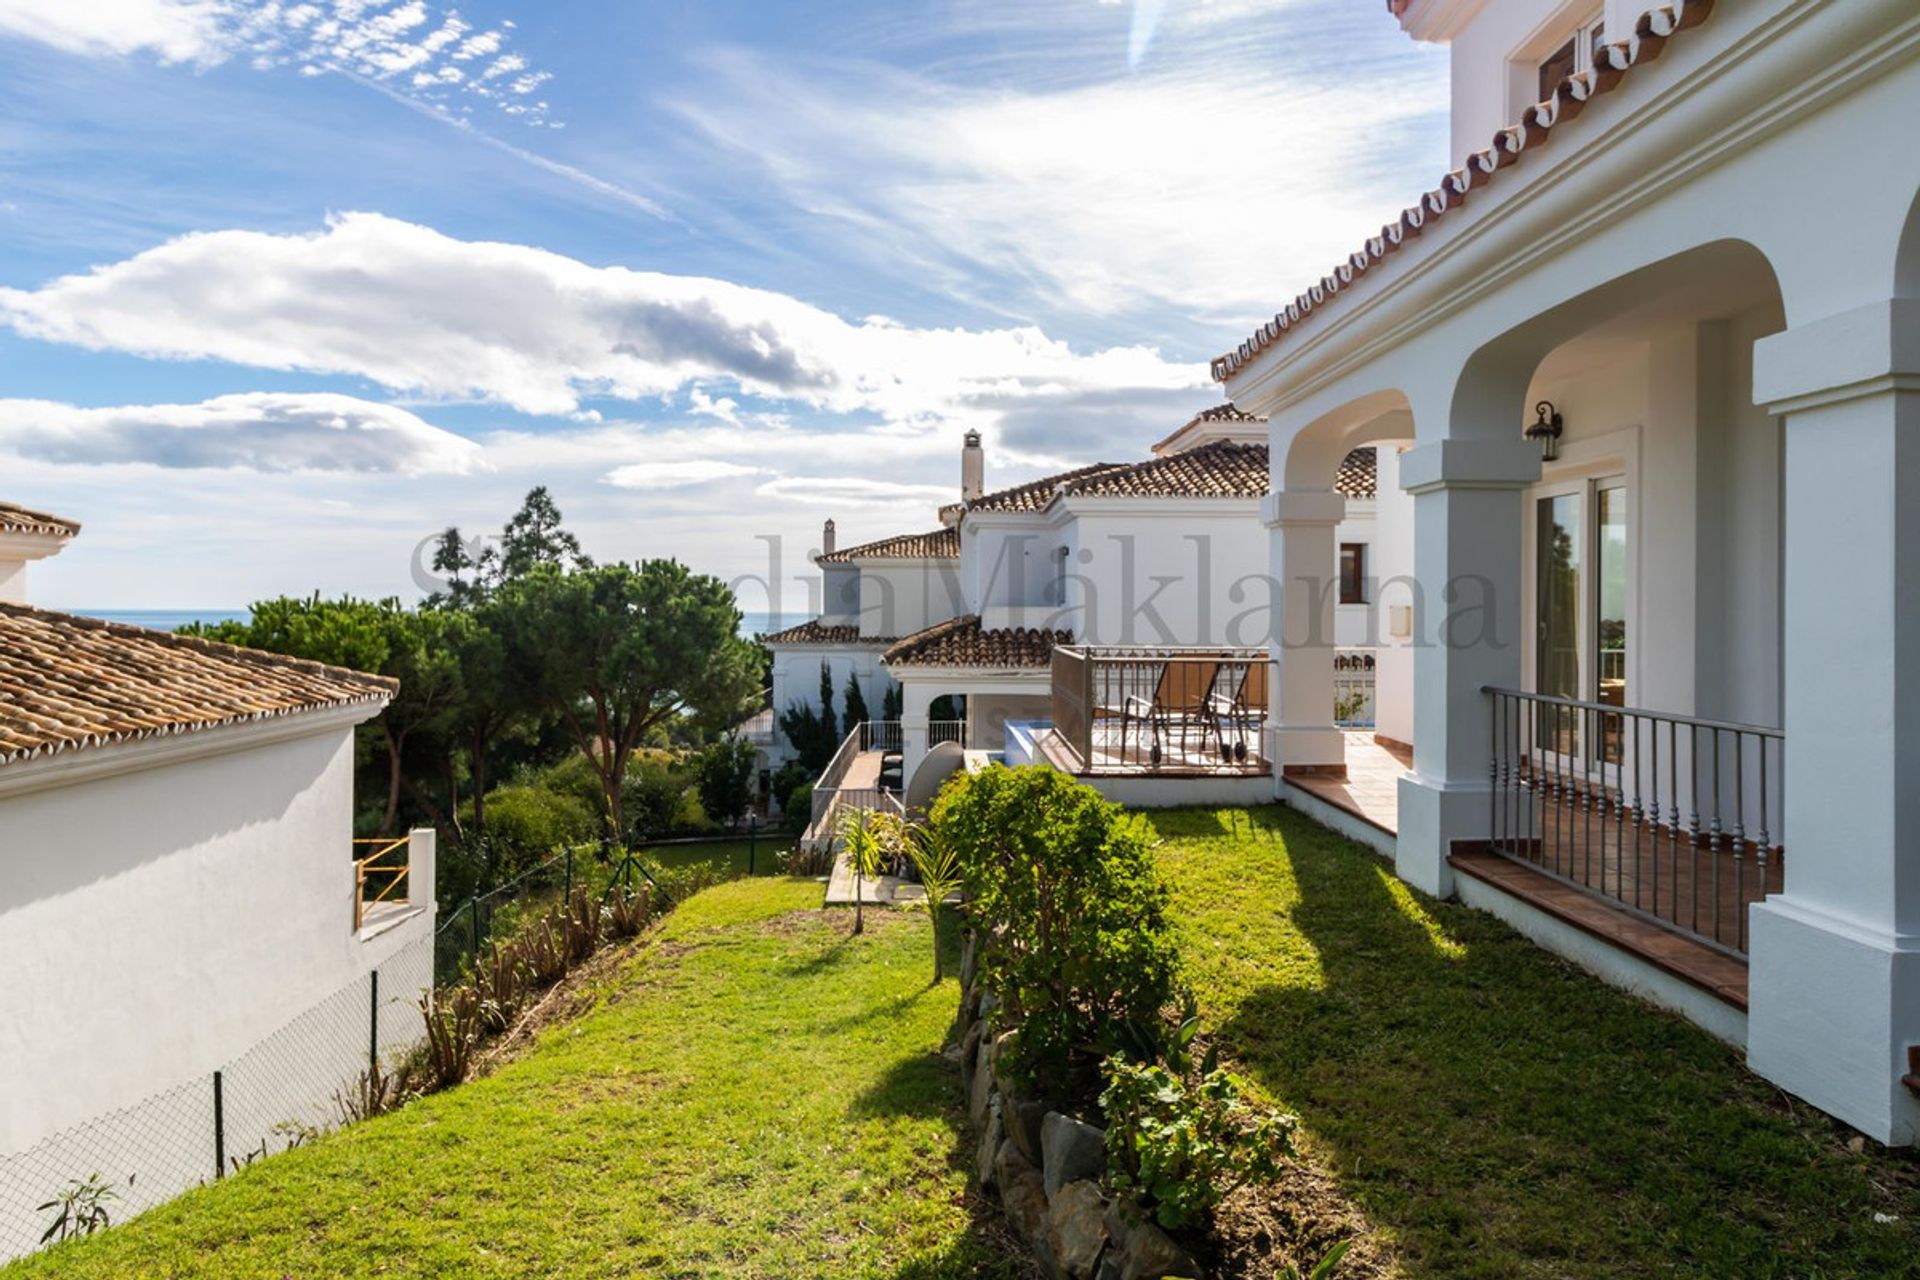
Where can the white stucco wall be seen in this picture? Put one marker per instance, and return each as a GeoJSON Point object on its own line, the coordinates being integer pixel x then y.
{"type": "Point", "coordinates": [796, 679]}
{"type": "Point", "coordinates": [1168, 572]}
{"type": "Point", "coordinates": [156, 924]}
{"type": "Point", "coordinates": [900, 597]}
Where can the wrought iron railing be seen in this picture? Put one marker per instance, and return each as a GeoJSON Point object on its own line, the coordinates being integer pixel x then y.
{"type": "Point", "coordinates": [1675, 818]}
{"type": "Point", "coordinates": [1353, 688]}
{"type": "Point", "coordinates": [1161, 710]}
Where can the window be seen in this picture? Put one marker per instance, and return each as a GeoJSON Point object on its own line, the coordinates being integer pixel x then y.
{"type": "Point", "coordinates": [1353, 573]}
{"type": "Point", "coordinates": [1574, 56]}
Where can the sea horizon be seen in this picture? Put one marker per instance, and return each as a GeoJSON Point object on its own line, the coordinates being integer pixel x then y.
{"type": "Point", "coordinates": [751, 624]}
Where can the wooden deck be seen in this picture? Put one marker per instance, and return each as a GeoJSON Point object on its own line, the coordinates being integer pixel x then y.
{"type": "Point", "coordinates": [1193, 756]}
{"type": "Point", "coordinates": [1663, 885]}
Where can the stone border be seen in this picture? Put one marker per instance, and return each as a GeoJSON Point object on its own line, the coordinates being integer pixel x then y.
{"type": "Point", "coordinates": [1047, 1168]}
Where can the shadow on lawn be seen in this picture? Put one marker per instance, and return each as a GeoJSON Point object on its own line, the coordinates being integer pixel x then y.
{"type": "Point", "coordinates": [1499, 1110]}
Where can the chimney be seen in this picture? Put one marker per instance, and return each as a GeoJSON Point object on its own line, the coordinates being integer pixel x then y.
{"type": "Point", "coordinates": [826, 538]}
{"type": "Point", "coordinates": [973, 468]}
{"type": "Point", "coordinates": [26, 536]}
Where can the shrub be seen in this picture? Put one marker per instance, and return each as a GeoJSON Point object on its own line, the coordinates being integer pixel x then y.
{"type": "Point", "coordinates": [627, 913]}
{"type": "Point", "coordinates": [528, 823]}
{"type": "Point", "coordinates": [1178, 1148]}
{"type": "Point", "coordinates": [501, 981]}
{"type": "Point", "coordinates": [726, 779]}
{"type": "Point", "coordinates": [1080, 942]}
{"type": "Point", "coordinates": [798, 811]}
{"type": "Point", "coordinates": [580, 926]}
{"type": "Point", "coordinates": [653, 794]}
{"type": "Point", "coordinates": [787, 779]}
{"type": "Point", "coordinates": [453, 1032]}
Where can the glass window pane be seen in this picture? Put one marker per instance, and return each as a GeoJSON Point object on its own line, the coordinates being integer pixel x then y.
{"type": "Point", "coordinates": [1557, 650]}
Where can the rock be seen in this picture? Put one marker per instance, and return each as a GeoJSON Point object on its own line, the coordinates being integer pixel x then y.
{"type": "Point", "coordinates": [1150, 1254]}
{"type": "Point", "coordinates": [969, 1058]}
{"type": "Point", "coordinates": [969, 960]}
{"type": "Point", "coordinates": [1109, 1265]}
{"type": "Point", "coordinates": [1020, 1191]}
{"type": "Point", "coordinates": [1070, 1150]}
{"type": "Point", "coordinates": [982, 1090]}
{"type": "Point", "coordinates": [1076, 1228]}
{"type": "Point", "coordinates": [990, 1139]}
{"type": "Point", "coordinates": [988, 1003]}
{"type": "Point", "coordinates": [1023, 1126]}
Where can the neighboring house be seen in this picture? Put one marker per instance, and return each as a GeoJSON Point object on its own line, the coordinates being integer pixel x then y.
{"type": "Point", "coordinates": [1155, 572]}
{"type": "Point", "coordinates": [178, 885]}
{"type": "Point", "coordinates": [1647, 360]}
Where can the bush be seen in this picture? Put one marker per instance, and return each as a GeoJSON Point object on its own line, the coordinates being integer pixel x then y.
{"type": "Point", "coordinates": [1178, 1148]}
{"type": "Point", "coordinates": [797, 813]}
{"type": "Point", "coordinates": [654, 795]}
{"type": "Point", "coordinates": [1079, 944]}
{"type": "Point", "coordinates": [725, 771]}
{"type": "Point", "coordinates": [527, 824]}
{"type": "Point", "coordinates": [787, 779]}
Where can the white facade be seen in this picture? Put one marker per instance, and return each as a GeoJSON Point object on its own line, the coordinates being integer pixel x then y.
{"type": "Point", "coordinates": [1713, 274]}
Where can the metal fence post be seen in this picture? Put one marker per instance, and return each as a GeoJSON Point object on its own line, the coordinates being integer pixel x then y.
{"type": "Point", "coordinates": [566, 892]}
{"type": "Point", "coordinates": [373, 1025]}
{"type": "Point", "coordinates": [219, 1128]}
{"type": "Point", "coordinates": [473, 926]}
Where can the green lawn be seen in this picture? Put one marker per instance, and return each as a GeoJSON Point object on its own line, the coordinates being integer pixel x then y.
{"type": "Point", "coordinates": [1494, 1111]}
{"type": "Point", "coordinates": [728, 855]}
{"type": "Point", "coordinates": [756, 1095]}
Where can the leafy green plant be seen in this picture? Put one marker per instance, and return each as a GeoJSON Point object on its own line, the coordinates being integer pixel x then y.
{"type": "Point", "coordinates": [936, 861]}
{"type": "Point", "coordinates": [80, 1208]}
{"type": "Point", "coordinates": [1178, 1147]}
{"type": "Point", "coordinates": [501, 981]}
{"type": "Point", "coordinates": [627, 912]}
{"type": "Point", "coordinates": [861, 840]}
{"type": "Point", "coordinates": [453, 1033]}
{"type": "Point", "coordinates": [797, 812]}
{"type": "Point", "coordinates": [1080, 941]}
{"type": "Point", "coordinates": [1326, 1265]}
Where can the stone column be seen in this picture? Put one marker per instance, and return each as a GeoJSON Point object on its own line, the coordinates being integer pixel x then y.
{"type": "Point", "coordinates": [1834, 977]}
{"type": "Point", "coordinates": [1466, 624]}
{"type": "Point", "coordinates": [1301, 733]}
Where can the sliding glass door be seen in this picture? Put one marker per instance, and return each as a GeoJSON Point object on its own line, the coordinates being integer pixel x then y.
{"type": "Point", "coordinates": [1580, 614]}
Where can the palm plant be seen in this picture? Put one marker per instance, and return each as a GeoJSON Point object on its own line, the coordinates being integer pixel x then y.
{"type": "Point", "coordinates": [936, 859]}
{"type": "Point", "coordinates": [862, 843]}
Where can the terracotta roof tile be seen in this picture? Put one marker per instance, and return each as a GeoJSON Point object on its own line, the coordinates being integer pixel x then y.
{"type": "Point", "coordinates": [941, 544]}
{"type": "Point", "coordinates": [1359, 474]}
{"type": "Point", "coordinates": [1034, 495]}
{"type": "Point", "coordinates": [1223, 469]}
{"type": "Point", "coordinates": [813, 631]}
{"type": "Point", "coordinates": [67, 683]}
{"type": "Point", "coordinates": [1532, 131]}
{"type": "Point", "coordinates": [17, 519]}
{"type": "Point", "coordinates": [1228, 412]}
{"type": "Point", "coordinates": [962, 642]}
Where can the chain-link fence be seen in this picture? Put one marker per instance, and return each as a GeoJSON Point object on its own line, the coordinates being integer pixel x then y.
{"type": "Point", "coordinates": [299, 1082]}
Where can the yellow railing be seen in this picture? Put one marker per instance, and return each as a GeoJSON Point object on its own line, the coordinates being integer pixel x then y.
{"type": "Point", "coordinates": [374, 865]}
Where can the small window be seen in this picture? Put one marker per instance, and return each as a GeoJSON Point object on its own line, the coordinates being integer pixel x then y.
{"type": "Point", "coordinates": [1353, 573]}
{"type": "Point", "coordinates": [1574, 56]}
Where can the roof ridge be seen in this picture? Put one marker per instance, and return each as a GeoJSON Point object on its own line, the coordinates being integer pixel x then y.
{"type": "Point", "coordinates": [200, 644]}
{"type": "Point", "coordinates": [1532, 131]}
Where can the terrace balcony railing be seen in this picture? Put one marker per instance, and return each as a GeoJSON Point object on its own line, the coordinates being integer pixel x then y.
{"type": "Point", "coordinates": [1671, 817]}
{"type": "Point", "coordinates": [1192, 710]}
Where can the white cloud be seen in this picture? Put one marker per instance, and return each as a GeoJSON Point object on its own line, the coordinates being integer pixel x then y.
{"type": "Point", "coordinates": [172, 30]}
{"type": "Point", "coordinates": [1228, 173]}
{"type": "Point", "coordinates": [677, 475]}
{"type": "Point", "coordinates": [254, 431]}
{"type": "Point", "coordinates": [857, 491]}
{"type": "Point", "coordinates": [421, 312]}
{"type": "Point", "coordinates": [377, 40]}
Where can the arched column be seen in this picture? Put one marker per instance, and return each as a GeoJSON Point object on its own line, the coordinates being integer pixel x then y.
{"type": "Point", "coordinates": [1467, 521]}
{"type": "Point", "coordinates": [1834, 978]}
{"type": "Point", "coordinates": [1302, 736]}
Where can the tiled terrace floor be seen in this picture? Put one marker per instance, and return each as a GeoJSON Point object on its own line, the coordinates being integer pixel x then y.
{"type": "Point", "coordinates": [1666, 879]}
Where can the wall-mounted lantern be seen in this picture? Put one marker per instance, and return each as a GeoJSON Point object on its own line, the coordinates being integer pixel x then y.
{"type": "Point", "coordinates": [1545, 430]}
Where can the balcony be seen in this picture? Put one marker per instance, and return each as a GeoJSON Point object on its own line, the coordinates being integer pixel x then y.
{"type": "Point", "coordinates": [1158, 712]}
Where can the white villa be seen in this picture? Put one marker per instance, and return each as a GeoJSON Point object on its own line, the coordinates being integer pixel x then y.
{"type": "Point", "coordinates": [187, 929]}
{"type": "Point", "coordinates": [1110, 582]}
{"type": "Point", "coordinates": [1650, 359]}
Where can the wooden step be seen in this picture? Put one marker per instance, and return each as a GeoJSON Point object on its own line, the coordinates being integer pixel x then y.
{"type": "Point", "coordinates": [1912, 1078]}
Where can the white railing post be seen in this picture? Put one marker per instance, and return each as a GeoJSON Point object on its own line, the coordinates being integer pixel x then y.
{"type": "Point", "coordinates": [422, 852]}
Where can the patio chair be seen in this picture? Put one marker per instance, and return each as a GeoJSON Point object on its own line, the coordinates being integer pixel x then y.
{"type": "Point", "coordinates": [1180, 697]}
{"type": "Point", "coordinates": [1241, 710]}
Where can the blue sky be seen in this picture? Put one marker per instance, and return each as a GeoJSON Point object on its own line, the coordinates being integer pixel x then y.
{"type": "Point", "coordinates": [288, 286]}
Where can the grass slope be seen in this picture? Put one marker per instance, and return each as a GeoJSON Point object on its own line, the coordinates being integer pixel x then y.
{"type": "Point", "coordinates": [757, 1095]}
{"type": "Point", "coordinates": [1495, 1111]}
